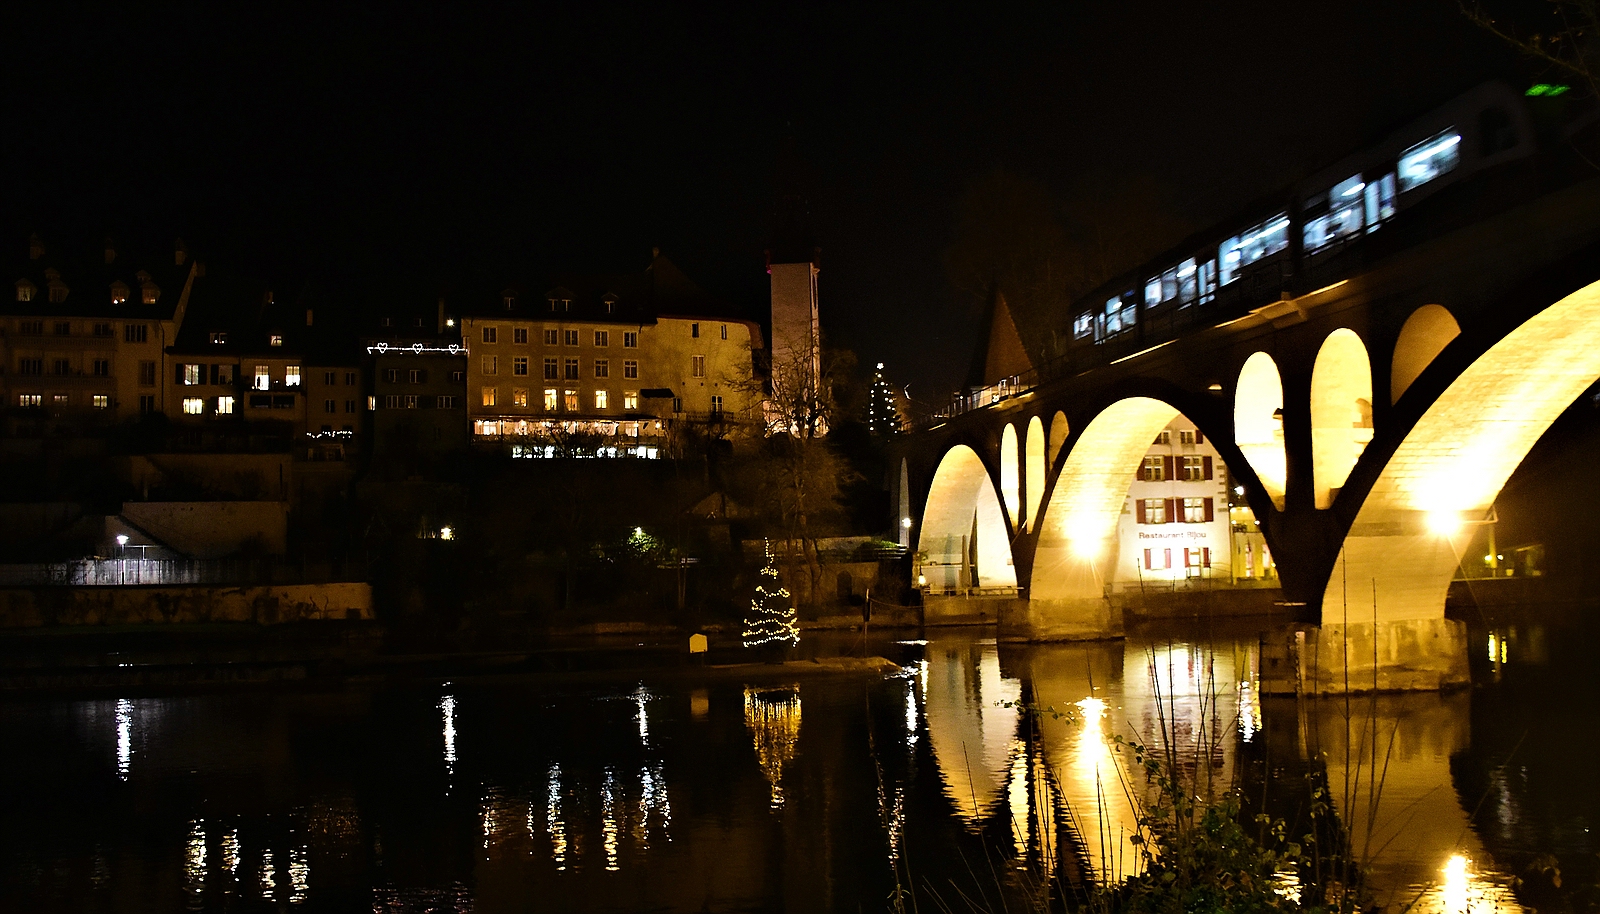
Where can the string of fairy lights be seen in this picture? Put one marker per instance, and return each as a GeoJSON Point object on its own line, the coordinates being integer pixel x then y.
{"type": "Point", "coordinates": [882, 416]}
{"type": "Point", "coordinates": [772, 617]}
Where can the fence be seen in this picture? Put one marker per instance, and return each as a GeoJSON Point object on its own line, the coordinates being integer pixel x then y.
{"type": "Point", "coordinates": [123, 572]}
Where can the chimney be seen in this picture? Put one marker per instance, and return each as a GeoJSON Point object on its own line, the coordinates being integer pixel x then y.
{"type": "Point", "coordinates": [654, 253]}
{"type": "Point", "coordinates": [441, 314]}
{"type": "Point", "coordinates": [35, 246]}
{"type": "Point", "coordinates": [111, 250]}
{"type": "Point", "coordinates": [180, 253]}
{"type": "Point", "coordinates": [308, 317]}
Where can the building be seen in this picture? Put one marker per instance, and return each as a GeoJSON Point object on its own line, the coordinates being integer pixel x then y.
{"type": "Point", "coordinates": [1175, 526]}
{"type": "Point", "coordinates": [419, 384]}
{"type": "Point", "coordinates": [86, 333]}
{"type": "Point", "coordinates": [609, 366]}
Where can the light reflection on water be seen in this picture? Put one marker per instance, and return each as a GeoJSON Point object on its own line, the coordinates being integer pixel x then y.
{"type": "Point", "coordinates": [711, 796]}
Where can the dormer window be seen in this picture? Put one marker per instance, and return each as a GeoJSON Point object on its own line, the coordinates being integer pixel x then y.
{"type": "Point", "coordinates": [25, 290]}
{"type": "Point", "coordinates": [219, 337]}
{"type": "Point", "coordinates": [119, 292]}
{"type": "Point", "coordinates": [58, 289]}
{"type": "Point", "coordinates": [275, 339]}
{"type": "Point", "coordinates": [149, 294]}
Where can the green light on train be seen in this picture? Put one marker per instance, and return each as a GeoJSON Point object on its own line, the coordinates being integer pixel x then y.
{"type": "Point", "coordinates": [1546, 89]}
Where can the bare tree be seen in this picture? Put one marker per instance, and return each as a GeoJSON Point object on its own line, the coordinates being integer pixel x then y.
{"type": "Point", "coordinates": [1565, 36]}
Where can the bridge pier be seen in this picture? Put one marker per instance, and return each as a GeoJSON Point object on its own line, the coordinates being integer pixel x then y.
{"type": "Point", "coordinates": [1069, 619]}
{"type": "Point", "coordinates": [1407, 655]}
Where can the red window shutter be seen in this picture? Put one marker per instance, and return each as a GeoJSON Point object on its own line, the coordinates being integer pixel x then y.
{"type": "Point", "coordinates": [1166, 558]}
{"type": "Point", "coordinates": [1205, 467]}
{"type": "Point", "coordinates": [1147, 565]}
{"type": "Point", "coordinates": [1166, 468]}
{"type": "Point", "coordinates": [1205, 556]}
{"type": "Point", "coordinates": [1174, 510]}
{"type": "Point", "coordinates": [1200, 438]}
{"type": "Point", "coordinates": [1186, 558]}
{"type": "Point", "coordinates": [1209, 515]}
{"type": "Point", "coordinates": [1139, 515]}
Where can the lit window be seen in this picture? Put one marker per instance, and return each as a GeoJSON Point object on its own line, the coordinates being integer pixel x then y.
{"type": "Point", "coordinates": [372, 401]}
{"type": "Point", "coordinates": [25, 290]}
{"type": "Point", "coordinates": [630, 368]}
{"type": "Point", "coordinates": [411, 401]}
{"type": "Point", "coordinates": [489, 334]}
{"type": "Point", "coordinates": [291, 376]}
{"type": "Point", "coordinates": [630, 339]}
{"type": "Point", "coordinates": [149, 293]}
{"type": "Point", "coordinates": [1151, 470]}
{"type": "Point", "coordinates": [263, 377]}
{"type": "Point", "coordinates": [30, 399]}
{"type": "Point", "coordinates": [1083, 326]}
{"type": "Point", "coordinates": [602, 368]}
{"type": "Point", "coordinates": [224, 406]}
{"type": "Point", "coordinates": [276, 339]}
{"type": "Point", "coordinates": [519, 396]}
{"type": "Point", "coordinates": [1253, 244]}
{"type": "Point", "coordinates": [491, 364]}
{"type": "Point", "coordinates": [194, 406]}
{"type": "Point", "coordinates": [602, 338]}
{"type": "Point", "coordinates": [1429, 159]}
{"type": "Point", "coordinates": [60, 399]}
{"type": "Point", "coordinates": [519, 366]}
{"type": "Point", "coordinates": [101, 401]}
{"type": "Point", "coordinates": [1119, 316]}
{"type": "Point", "coordinates": [1341, 214]}
{"type": "Point", "coordinates": [219, 337]}
{"type": "Point", "coordinates": [191, 374]}
{"type": "Point", "coordinates": [519, 335]}
{"type": "Point", "coordinates": [1380, 201]}
{"type": "Point", "coordinates": [697, 367]}
{"type": "Point", "coordinates": [488, 396]}
{"type": "Point", "coordinates": [1196, 510]}
{"type": "Point", "coordinates": [570, 398]}
{"type": "Point", "coordinates": [602, 399]}
{"type": "Point", "coordinates": [1152, 511]}
{"type": "Point", "coordinates": [716, 405]}
{"type": "Point", "coordinates": [549, 399]}
{"type": "Point", "coordinates": [630, 399]}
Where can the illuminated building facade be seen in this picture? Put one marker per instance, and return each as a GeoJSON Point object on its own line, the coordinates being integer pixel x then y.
{"type": "Point", "coordinates": [85, 337]}
{"type": "Point", "coordinates": [608, 366]}
{"type": "Point", "coordinates": [1174, 524]}
{"type": "Point", "coordinates": [419, 370]}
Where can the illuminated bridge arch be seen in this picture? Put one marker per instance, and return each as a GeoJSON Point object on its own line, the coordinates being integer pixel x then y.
{"type": "Point", "coordinates": [1258, 424]}
{"type": "Point", "coordinates": [1077, 530]}
{"type": "Point", "coordinates": [1402, 549]}
{"type": "Point", "coordinates": [1341, 411]}
{"type": "Point", "coordinates": [965, 540]}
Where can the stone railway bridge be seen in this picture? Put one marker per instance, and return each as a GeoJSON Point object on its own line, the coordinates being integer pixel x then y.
{"type": "Point", "coordinates": [1370, 419]}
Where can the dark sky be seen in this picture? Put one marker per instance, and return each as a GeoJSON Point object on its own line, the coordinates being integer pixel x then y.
{"type": "Point", "coordinates": [397, 151]}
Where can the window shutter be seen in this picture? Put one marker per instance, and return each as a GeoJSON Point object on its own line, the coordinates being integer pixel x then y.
{"type": "Point", "coordinates": [1166, 468]}
{"type": "Point", "coordinates": [1186, 558]}
{"type": "Point", "coordinates": [1166, 558]}
{"type": "Point", "coordinates": [1209, 509]}
{"type": "Point", "coordinates": [1205, 467]}
{"type": "Point", "coordinates": [1140, 515]}
{"type": "Point", "coordinates": [1174, 510]}
{"type": "Point", "coordinates": [1205, 556]}
{"type": "Point", "coordinates": [1199, 438]}
{"type": "Point", "coordinates": [1147, 565]}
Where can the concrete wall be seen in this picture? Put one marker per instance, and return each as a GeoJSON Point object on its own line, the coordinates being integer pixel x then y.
{"type": "Point", "coordinates": [238, 476]}
{"type": "Point", "coordinates": [38, 606]}
{"type": "Point", "coordinates": [213, 529]}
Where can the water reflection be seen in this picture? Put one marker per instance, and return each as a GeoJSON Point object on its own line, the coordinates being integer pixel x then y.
{"type": "Point", "coordinates": [773, 718]}
{"type": "Point", "coordinates": [970, 726]}
{"type": "Point", "coordinates": [447, 707]}
{"type": "Point", "coordinates": [124, 737]}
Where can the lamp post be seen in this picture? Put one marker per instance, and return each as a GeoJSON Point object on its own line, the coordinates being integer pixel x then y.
{"type": "Point", "coordinates": [122, 548]}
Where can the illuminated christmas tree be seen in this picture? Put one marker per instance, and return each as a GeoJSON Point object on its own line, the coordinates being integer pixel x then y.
{"type": "Point", "coordinates": [772, 619]}
{"type": "Point", "coordinates": [882, 417]}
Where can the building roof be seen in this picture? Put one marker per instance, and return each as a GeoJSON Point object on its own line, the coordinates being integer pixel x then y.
{"type": "Point", "coordinates": [86, 275]}
{"type": "Point", "coordinates": [661, 290]}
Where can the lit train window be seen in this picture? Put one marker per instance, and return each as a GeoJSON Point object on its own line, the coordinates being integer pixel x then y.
{"type": "Point", "coordinates": [1251, 245]}
{"type": "Point", "coordinates": [1429, 159]}
{"type": "Point", "coordinates": [1345, 205]}
{"type": "Point", "coordinates": [1083, 326]}
{"type": "Point", "coordinates": [1380, 201]}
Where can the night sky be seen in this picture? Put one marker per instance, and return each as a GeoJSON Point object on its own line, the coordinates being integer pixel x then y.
{"type": "Point", "coordinates": [391, 153]}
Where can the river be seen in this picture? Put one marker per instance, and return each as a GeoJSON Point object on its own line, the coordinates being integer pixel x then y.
{"type": "Point", "coordinates": [817, 795]}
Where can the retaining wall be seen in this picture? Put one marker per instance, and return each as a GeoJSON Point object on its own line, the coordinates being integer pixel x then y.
{"type": "Point", "coordinates": [31, 607]}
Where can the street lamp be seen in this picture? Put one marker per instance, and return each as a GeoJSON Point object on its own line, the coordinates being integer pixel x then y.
{"type": "Point", "coordinates": [122, 546]}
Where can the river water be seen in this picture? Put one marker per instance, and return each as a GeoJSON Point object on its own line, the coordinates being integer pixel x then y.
{"type": "Point", "coordinates": [816, 795]}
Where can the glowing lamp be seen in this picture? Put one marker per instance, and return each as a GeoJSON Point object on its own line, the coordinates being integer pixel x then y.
{"type": "Point", "coordinates": [1443, 523]}
{"type": "Point", "coordinates": [122, 539]}
{"type": "Point", "coordinates": [922, 580]}
{"type": "Point", "coordinates": [447, 533]}
{"type": "Point", "coordinates": [905, 522]}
